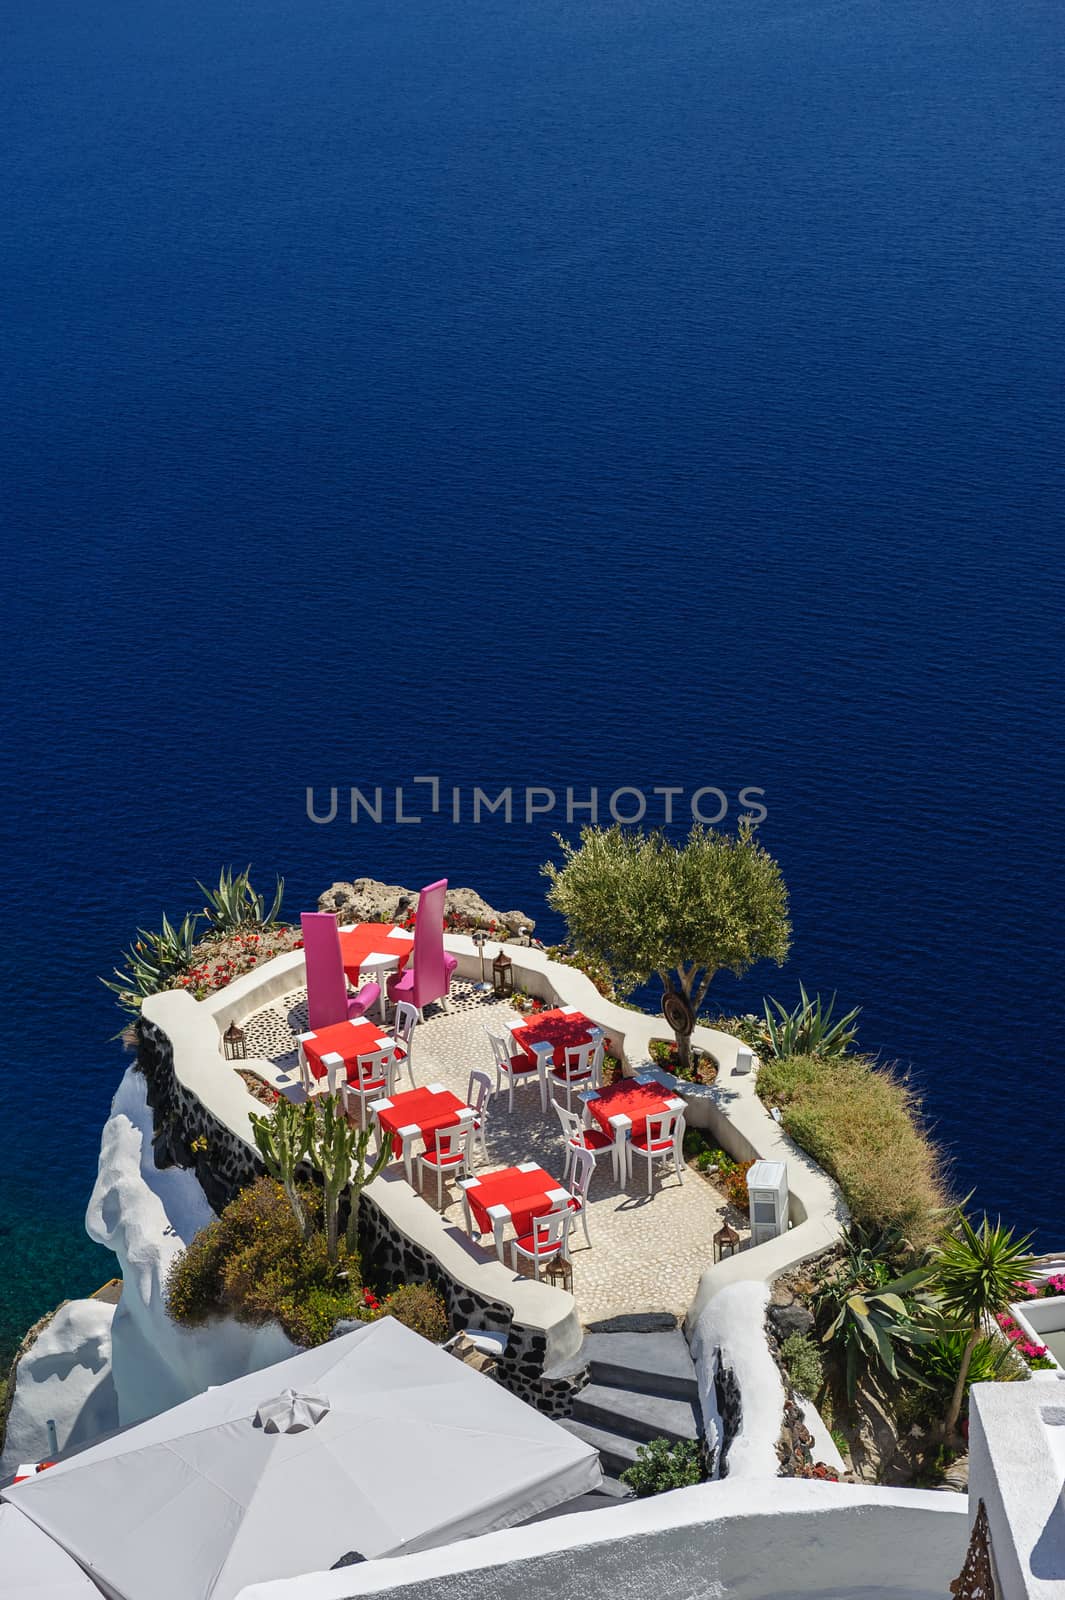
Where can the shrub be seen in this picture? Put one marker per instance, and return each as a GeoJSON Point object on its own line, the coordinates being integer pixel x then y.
{"type": "Point", "coordinates": [419, 1307]}
{"type": "Point", "coordinates": [862, 1124]}
{"type": "Point", "coordinates": [803, 1361]}
{"type": "Point", "coordinates": [660, 1466]}
{"type": "Point", "coordinates": [993, 1361]}
{"type": "Point", "coordinates": [254, 1264]}
{"type": "Point", "coordinates": [734, 1183]}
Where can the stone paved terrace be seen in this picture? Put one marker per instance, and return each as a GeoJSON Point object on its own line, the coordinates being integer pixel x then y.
{"type": "Point", "coordinates": [647, 1252]}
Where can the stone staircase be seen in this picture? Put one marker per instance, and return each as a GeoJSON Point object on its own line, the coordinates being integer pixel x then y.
{"type": "Point", "coordinates": [641, 1386]}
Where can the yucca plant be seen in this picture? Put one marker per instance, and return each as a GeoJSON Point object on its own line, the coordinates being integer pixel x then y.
{"type": "Point", "coordinates": [809, 1030]}
{"type": "Point", "coordinates": [978, 1272]}
{"type": "Point", "coordinates": [153, 960]}
{"type": "Point", "coordinates": [235, 904]}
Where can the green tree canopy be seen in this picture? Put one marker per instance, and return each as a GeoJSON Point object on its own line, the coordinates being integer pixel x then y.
{"type": "Point", "coordinates": [643, 906]}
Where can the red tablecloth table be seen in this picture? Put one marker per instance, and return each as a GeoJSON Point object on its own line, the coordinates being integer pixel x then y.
{"type": "Point", "coordinates": [514, 1194]}
{"type": "Point", "coordinates": [349, 1040]}
{"type": "Point", "coordinates": [417, 1114]}
{"type": "Point", "coordinates": [624, 1108]}
{"type": "Point", "coordinates": [375, 947]}
{"type": "Point", "coordinates": [561, 1029]}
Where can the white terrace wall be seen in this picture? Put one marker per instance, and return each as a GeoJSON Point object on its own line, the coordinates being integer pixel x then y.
{"type": "Point", "coordinates": [194, 1092]}
{"type": "Point", "coordinates": [729, 1110]}
{"type": "Point", "coordinates": [779, 1539]}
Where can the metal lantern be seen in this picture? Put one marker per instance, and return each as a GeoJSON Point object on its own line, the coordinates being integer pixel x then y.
{"type": "Point", "coordinates": [726, 1242]}
{"type": "Point", "coordinates": [560, 1273]}
{"type": "Point", "coordinates": [234, 1043]}
{"type": "Point", "coordinates": [503, 976]}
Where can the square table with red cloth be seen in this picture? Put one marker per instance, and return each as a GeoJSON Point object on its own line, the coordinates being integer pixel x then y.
{"type": "Point", "coordinates": [563, 1029]}
{"type": "Point", "coordinates": [631, 1098]}
{"type": "Point", "coordinates": [525, 1192]}
{"type": "Point", "coordinates": [425, 1109]}
{"type": "Point", "coordinates": [373, 939]}
{"type": "Point", "coordinates": [347, 1039]}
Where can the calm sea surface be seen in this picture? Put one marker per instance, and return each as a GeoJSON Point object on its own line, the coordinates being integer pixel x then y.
{"type": "Point", "coordinates": [644, 392]}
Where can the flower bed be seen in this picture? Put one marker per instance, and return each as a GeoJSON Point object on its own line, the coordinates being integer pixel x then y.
{"type": "Point", "coordinates": [258, 1087]}
{"type": "Point", "coordinates": [1036, 1355]}
{"type": "Point", "coordinates": [217, 961]}
{"type": "Point", "coordinates": [704, 1068]}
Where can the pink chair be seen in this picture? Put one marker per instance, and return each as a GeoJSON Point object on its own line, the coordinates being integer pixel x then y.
{"type": "Point", "coordinates": [428, 974]}
{"type": "Point", "coordinates": [328, 1000]}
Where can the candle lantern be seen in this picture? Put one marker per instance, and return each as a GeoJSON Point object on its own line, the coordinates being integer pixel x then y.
{"type": "Point", "coordinates": [234, 1043]}
{"type": "Point", "coordinates": [560, 1273]}
{"type": "Point", "coordinates": [503, 976]}
{"type": "Point", "coordinates": [726, 1242]}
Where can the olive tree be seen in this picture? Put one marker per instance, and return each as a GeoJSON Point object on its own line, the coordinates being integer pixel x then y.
{"type": "Point", "coordinates": [644, 906]}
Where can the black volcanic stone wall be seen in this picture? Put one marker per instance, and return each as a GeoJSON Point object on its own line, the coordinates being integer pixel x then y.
{"type": "Point", "coordinates": [389, 1257]}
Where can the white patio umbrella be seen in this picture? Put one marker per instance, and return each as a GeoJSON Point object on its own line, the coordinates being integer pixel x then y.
{"type": "Point", "coordinates": [34, 1567]}
{"type": "Point", "coordinates": [375, 1444]}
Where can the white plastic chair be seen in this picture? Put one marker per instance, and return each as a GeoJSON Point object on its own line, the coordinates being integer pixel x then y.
{"type": "Point", "coordinates": [511, 1065]}
{"type": "Point", "coordinates": [403, 1025]}
{"type": "Point", "coordinates": [372, 1080]}
{"type": "Point", "coordinates": [661, 1141]}
{"type": "Point", "coordinates": [581, 1068]}
{"type": "Point", "coordinates": [478, 1095]}
{"type": "Point", "coordinates": [582, 1167]}
{"type": "Point", "coordinates": [578, 1138]}
{"type": "Point", "coordinates": [450, 1154]}
{"type": "Point", "coordinates": [549, 1237]}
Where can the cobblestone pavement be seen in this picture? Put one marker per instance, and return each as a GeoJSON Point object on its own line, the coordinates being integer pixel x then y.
{"type": "Point", "coordinates": [647, 1251]}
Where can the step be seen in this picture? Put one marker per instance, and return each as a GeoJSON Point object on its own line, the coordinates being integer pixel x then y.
{"type": "Point", "coordinates": [654, 1363]}
{"type": "Point", "coordinates": [641, 1415]}
{"type": "Point", "coordinates": [611, 1492]}
{"type": "Point", "coordinates": [617, 1451]}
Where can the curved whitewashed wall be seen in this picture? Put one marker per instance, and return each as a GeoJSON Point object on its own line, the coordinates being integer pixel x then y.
{"type": "Point", "coordinates": [775, 1540]}
{"type": "Point", "coordinates": [192, 1030]}
{"type": "Point", "coordinates": [729, 1109]}
{"type": "Point", "coordinates": [64, 1377]}
{"type": "Point", "coordinates": [146, 1216]}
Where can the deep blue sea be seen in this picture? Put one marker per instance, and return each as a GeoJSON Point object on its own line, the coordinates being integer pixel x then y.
{"type": "Point", "coordinates": [653, 392]}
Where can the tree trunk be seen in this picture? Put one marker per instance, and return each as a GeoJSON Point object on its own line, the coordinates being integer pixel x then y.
{"type": "Point", "coordinates": [950, 1427]}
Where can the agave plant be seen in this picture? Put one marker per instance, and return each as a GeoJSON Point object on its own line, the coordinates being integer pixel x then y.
{"type": "Point", "coordinates": [809, 1030]}
{"type": "Point", "coordinates": [873, 1318]}
{"type": "Point", "coordinates": [235, 903]}
{"type": "Point", "coordinates": [153, 960]}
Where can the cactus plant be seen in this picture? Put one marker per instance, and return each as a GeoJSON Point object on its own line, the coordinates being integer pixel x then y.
{"type": "Point", "coordinates": [284, 1139]}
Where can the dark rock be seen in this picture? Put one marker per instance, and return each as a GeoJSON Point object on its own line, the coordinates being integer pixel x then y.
{"type": "Point", "coordinates": [636, 1322]}
{"type": "Point", "coordinates": [794, 1318]}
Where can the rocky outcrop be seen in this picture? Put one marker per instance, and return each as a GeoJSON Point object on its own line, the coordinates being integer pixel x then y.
{"type": "Point", "coordinates": [63, 1376]}
{"type": "Point", "coordinates": [146, 1217]}
{"type": "Point", "coordinates": [367, 900]}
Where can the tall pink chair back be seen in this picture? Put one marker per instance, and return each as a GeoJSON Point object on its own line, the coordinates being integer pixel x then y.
{"type": "Point", "coordinates": [327, 990]}
{"type": "Point", "coordinates": [428, 965]}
